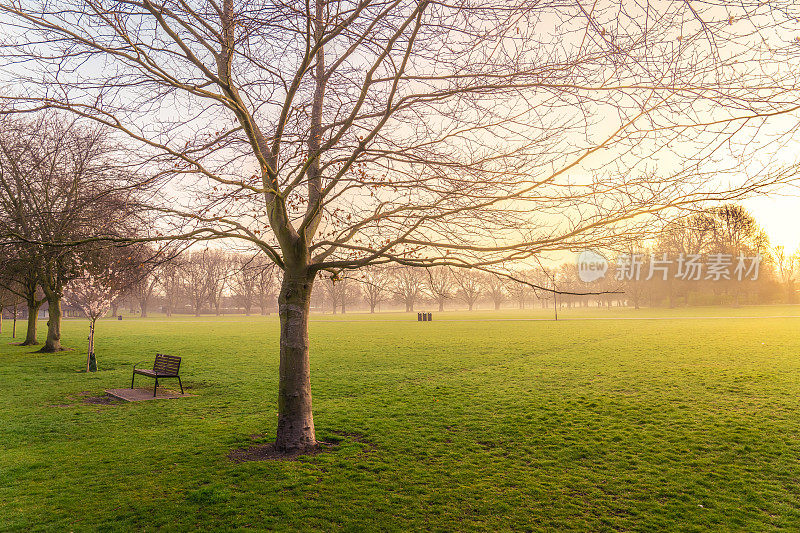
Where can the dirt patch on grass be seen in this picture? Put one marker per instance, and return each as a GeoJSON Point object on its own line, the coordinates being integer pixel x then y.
{"type": "Point", "coordinates": [268, 452]}
{"type": "Point", "coordinates": [102, 400]}
{"type": "Point", "coordinates": [86, 397]}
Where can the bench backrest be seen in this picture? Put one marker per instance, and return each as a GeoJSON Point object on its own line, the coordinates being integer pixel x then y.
{"type": "Point", "coordinates": [166, 364]}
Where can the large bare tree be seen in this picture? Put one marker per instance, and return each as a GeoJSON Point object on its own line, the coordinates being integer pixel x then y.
{"type": "Point", "coordinates": [60, 183]}
{"type": "Point", "coordinates": [334, 134]}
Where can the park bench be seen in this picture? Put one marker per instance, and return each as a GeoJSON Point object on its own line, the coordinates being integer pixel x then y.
{"type": "Point", "coordinates": [165, 366]}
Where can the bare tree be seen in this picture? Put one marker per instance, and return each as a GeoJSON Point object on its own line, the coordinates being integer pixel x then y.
{"type": "Point", "coordinates": [20, 277]}
{"type": "Point", "coordinates": [195, 274]}
{"type": "Point", "coordinates": [267, 283]}
{"type": "Point", "coordinates": [330, 295]}
{"type": "Point", "coordinates": [788, 268]}
{"type": "Point", "coordinates": [60, 183]}
{"type": "Point", "coordinates": [375, 286]}
{"type": "Point", "coordinates": [416, 132]}
{"type": "Point", "coordinates": [470, 287]}
{"type": "Point", "coordinates": [244, 281]}
{"type": "Point", "coordinates": [144, 286]}
{"type": "Point", "coordinates": [496, 288]}
{"type": "Point", "coordinates": [218, 270]}
{"type": "Point", "coordinates": [408, 285]}
{"type": "Point", "coordinates": [439, 284]}
{"type": "Point", "coordinates": [170, 276]}
{"type": "Point", "coordinates": [519, 290]}
{"type": "Point", "coordinates": [9, 297]}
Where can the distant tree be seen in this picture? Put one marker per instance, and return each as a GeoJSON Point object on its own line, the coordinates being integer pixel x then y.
{"type": "Point", "coordinates": [145, 275]}
{"type": "Point", "coordinates": [496, 288]}
{"type": "Point", "coordinates": [439, 285]}
{"type": "Point", "coordinates": [788, 268]}
{"type": "Point", "coordinates": [196, 277]}
{"type": "Point", "coordinates": [244, 280]}
{"type": "Point", "coordinates": [375, 285]}
{"type": "Point", "coordinates": [267, 283]}
{"type": "Point", "coordinates": [408, 284]}
{"type": "Point", "coordinates": [170, 276]}
{"type": "Point", "coordinates": [331, 294]}
{"type": "Point", "coordinates": [736, 233]}
{"type": "Point", "coordinates": [218, 271]}
{"type": "Point", "coordinates": [519, 290]}
{"type": "Point", "coordinates": [470, 287]}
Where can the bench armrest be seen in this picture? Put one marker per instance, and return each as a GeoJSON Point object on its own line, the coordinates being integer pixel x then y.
{"type": "Point", "coordinates": [140, 362]}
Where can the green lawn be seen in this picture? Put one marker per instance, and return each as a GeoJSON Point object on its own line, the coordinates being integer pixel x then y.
{"type": "Point", "coordinates": [477, 421]}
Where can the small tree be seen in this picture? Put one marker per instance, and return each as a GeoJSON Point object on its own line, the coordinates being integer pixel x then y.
{"type": "Point", "coordinates": [93, 293]}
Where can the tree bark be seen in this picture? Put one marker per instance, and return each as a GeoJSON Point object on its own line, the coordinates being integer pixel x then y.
{"type": "Point", "coordinates": [441, 305]}
{"type": "Point", "coordinates": [143, 306]}
{"type": "Point", "coordinates": [91, 361]}
{"type": "Point", "coordinates": [33, 314]}
{"type": "Point", "coordinates": [295, 417]}
{"type": "Point", "coordinates": [53, 341]}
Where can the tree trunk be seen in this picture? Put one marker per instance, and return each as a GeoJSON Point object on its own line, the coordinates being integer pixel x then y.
{"type": "Point", "coordinates": [53, 341]}
{"type": "Point", "coordinates": [496, 305]}
{"type": "Point", "coordinates": [33, 314]}
{"type": "Point", "coordinates": [372, 308]}
{"type": "Point", "coordinates": [143, 306]}
{"type": "Point", "coordinates": [441, 305]}
{"type": "Point", "coordinates": [295, 417]}
{"type": "Point", "coordinates": [91, 361]}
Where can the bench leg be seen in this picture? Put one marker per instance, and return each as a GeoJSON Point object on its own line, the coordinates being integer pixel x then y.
{"type": "Point", "coordinates": [132, 378]}
{"type": "Point", "coordinates": [154, 388]}
{"type": "Point", "coordinates": [181, 384]}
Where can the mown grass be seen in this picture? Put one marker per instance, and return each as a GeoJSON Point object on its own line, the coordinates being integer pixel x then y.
{"type": "Point", "coordinates": [465, 423]}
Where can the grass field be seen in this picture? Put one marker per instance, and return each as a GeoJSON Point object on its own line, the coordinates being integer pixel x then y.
{"type": "Point", "coordinates": [476, 421]}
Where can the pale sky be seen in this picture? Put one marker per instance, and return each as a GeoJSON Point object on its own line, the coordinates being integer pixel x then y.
{"type": "Point", "coordinates": [780, 217]}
